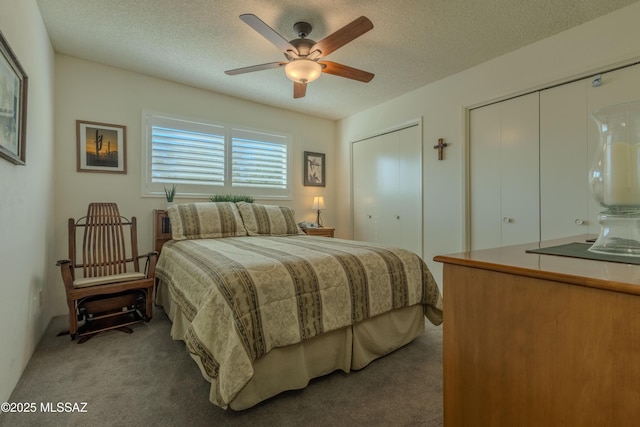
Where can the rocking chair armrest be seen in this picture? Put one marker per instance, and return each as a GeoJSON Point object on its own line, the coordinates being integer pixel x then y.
{"type": "Point", "coordinates": [150, 266]}
{"type": "Point", "coordinates": [66, 268]}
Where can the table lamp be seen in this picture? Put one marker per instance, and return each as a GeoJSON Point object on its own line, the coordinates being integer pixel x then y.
{"type": "Point", "coordinates": [318, 204]}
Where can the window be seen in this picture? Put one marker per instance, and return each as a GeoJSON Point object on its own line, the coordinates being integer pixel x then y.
{"type": "Point", "coordinates": [203, 159]}
{"type": "Point", "coordinates": [258, 160]}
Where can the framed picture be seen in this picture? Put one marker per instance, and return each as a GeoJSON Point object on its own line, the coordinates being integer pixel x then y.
{"type": "Point", "coordinates": [13, 106]}
{"type": "Point", "coordinates": [314, 169]}
{"type": "Point", "coordinates": [101, 147]}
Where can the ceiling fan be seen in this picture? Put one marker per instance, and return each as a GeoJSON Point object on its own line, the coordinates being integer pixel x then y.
{"type": "Point", "coordinates": [303, 55]}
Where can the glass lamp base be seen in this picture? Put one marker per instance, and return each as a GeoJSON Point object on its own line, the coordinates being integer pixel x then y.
{"type": "Point", "coordinates": [619, 233]}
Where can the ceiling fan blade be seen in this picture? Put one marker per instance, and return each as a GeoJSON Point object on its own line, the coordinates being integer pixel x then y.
{"type": "Point", "coordinates": [267, 32]}
{"type": "Point", "coordinates": [336, 69]}
{"type": "Point", "coordinates": [299, 89]}
{"type": "Point", "coordinates": [253, 68]}
{"type": "Point", "coordinates": [343, 36]}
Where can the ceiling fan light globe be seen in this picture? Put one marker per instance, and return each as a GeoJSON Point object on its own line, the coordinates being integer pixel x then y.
{"type": "Point", "coordinates": [303, 70]}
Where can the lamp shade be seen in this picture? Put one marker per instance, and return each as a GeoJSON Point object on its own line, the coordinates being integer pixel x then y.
{"type": "Point", "coordinates": [303, 70]}
{"type": "Point", "coordinates": [318, 203]}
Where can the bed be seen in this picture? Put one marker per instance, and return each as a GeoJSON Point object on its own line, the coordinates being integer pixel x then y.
{"type": "Point", "coordinates": [263, 308]}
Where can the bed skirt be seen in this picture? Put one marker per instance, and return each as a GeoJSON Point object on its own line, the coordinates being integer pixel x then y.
{"type": "Point", "coordinates": [292, 367]}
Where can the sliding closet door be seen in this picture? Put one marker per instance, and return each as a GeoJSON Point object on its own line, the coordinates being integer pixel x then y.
{"type": "Point", "coordinates": [387, 189]}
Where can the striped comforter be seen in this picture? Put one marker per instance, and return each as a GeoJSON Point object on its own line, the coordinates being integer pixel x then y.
{"type": "Point", "coordinates": [247, 295]}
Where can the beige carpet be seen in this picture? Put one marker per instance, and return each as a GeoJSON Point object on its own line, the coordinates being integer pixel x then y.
{"type": "Point", "coordinates": [146, 379]}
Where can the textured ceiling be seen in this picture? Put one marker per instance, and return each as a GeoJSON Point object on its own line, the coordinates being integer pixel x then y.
{"type": "Point", "coordinates": [413, 42]}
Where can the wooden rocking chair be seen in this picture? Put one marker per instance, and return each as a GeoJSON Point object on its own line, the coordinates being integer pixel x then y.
{"type": "Point", "coordinates": [113, 292]}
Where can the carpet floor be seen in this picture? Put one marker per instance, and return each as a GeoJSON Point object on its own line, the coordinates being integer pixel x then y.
{"type": "Point", "coordinates": [146, 378]}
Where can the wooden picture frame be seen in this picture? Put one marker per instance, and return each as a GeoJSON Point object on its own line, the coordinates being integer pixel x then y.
{"type": "Point", "coordinates": [13, 106]}
{"type": "Point", "coordinates": [314, 169]}
{"type": "Point", "coordinates": [101, 147]}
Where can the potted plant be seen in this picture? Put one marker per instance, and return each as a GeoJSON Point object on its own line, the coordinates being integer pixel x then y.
{"type": "Point", "coordinates": [170, 193]}
{"type": "Point", "coordinates": [231, 198]}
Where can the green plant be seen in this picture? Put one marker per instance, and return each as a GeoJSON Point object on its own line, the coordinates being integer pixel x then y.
{"type": "Point", "coordinates": [231, 198]}
{"type": "Point", "coordinates": [170, 193]}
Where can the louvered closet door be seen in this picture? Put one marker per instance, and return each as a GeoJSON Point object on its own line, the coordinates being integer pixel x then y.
{"type": "Point", "coordinates": [503, 173]}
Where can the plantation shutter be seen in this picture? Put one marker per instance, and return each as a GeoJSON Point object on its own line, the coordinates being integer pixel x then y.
{"type": "Point", "coordinates": [258, 160]}
{"type": "Point", "coordinates": [211, 158]}
{"type": "Point", "coordinates": [187, 152]}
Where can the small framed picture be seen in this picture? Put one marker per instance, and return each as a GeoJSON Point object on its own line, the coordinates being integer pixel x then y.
{"type": "Point", "coordinates": [13, 106]}
{"type": "Point", "coordinates": [314, 171]}
{"type": "Point", "coordinates": [101, 147]}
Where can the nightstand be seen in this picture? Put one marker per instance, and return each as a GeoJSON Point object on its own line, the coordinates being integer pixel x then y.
{"type": "Point", "coordinates": [161, 229]}
{"type": "Point", "coordinates": [324, 231]}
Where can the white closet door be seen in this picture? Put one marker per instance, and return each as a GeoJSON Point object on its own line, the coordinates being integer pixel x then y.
{"type": "Point", "coordinates": [365, 181]}
{"type": "Point", "coordinates": [409, 205]}
{"type": "Point", "coordinates": [520, 161]}
{"type": "Point", "coordinates": [388, 184]}
{"type": "Point", "coordinates": [504, 173]}
{"type": "Point", "coordinates": [564, 162]}
{"type": "Point", "coordinates": [387, 189]}
{"type": "Point", "coordinates": [504, 162]}
{"type": "Point", "coordinates": [485, 182]}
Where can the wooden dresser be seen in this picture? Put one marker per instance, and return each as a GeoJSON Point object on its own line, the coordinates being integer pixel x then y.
{"type": "Point", "coordinates": [540, 340]}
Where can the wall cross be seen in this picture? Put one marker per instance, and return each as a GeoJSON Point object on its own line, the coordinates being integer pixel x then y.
{"type": "Point", "coordinates": [440, 148]}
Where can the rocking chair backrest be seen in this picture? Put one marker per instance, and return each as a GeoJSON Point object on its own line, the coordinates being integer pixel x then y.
{"type": "Point", "coordinates": [104, 244]}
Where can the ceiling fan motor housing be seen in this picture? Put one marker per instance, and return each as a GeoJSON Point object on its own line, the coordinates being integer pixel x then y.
{"type": "Point", "coordinates": [303, 47]}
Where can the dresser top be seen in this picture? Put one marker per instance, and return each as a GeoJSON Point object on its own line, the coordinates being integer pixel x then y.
{"type": "Point", "coordinates": [604, 275]}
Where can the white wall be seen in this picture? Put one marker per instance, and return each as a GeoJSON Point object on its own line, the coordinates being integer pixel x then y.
{"type": "Point", "coordinates": [26, 199]}
{"type": "Point", "coordinates": [591, 47]}
{"type": "Point", "coordinates": [94, 92]}
{"type": "Point", "coordinates": [34, 225]}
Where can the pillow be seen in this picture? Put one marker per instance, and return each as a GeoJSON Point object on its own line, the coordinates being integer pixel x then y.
{"type": "Point", "coordinates": [268, 220]}
{"type": "Point", "coordinates": [205, 221]}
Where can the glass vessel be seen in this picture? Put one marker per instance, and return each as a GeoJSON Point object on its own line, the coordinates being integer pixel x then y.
{"type": "Point", "coordinates": [615, 179]}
